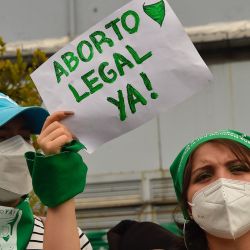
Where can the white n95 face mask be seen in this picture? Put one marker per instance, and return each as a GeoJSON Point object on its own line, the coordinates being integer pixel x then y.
{"type": "Point", "coordinates": [223, 208]}
{"type": "Point", "coordinates": [15, 180]}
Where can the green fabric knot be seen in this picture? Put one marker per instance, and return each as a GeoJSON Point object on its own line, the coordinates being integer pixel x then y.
{"type": "Point", "coordinates": [73, 146]}
{"type": "Point", "coordinates": [59, 177]}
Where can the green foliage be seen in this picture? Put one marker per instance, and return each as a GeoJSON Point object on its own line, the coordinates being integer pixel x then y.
{"type": "Point", "coordinates": [38, 208]}
{"type": "Point", "coordinates": [15, 78]}
{"type": "Point", "coordinates": [2, 47]}
{"type": "Point", "coordinates": [15, 82]}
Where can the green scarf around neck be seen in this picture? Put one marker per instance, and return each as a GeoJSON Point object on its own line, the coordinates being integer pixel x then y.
{"type": "Point", "coordinates": [16, 226]}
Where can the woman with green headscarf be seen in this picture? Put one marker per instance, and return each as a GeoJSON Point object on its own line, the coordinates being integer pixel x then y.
{"type": "Point", "coordinates": [211, 178]}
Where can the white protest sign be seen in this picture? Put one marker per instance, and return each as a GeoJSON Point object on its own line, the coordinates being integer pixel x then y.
{"type": "Point", "coordinates": [122, 72]}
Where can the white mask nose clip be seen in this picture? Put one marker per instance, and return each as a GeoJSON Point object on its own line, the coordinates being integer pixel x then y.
{"type": "Point", "coordinates": [190, 204]}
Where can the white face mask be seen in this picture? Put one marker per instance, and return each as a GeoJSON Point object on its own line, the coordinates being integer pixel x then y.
{"type": "Point", "coordinates": [6, 196]}
{"type": "Point", "coordinates": [15, 180]}
{"type": "Point", "coordinates": [223, 208]}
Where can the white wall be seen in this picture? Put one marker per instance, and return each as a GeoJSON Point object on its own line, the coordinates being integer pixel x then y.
{"type": "Point", "coordinates": [36, 19]}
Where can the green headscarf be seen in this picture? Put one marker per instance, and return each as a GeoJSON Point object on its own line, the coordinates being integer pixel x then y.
{"type": "Point", "coordinates": [177, 168]}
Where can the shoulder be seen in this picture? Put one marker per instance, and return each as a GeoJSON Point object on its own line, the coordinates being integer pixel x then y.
{"type": "Point", "coordinates": [36, 240]}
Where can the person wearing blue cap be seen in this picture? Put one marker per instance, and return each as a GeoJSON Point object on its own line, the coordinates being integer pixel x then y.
{"type": "Point", "coordinates": [49, 173]}
{"type": "Point", "coordinates": [211, 178]}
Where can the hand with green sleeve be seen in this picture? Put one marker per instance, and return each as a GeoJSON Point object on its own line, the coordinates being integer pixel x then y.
{"type": "Point", "coordinates": [60, 173]}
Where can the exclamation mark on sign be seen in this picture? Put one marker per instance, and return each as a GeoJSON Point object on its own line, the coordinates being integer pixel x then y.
{"type": "Point", "coordinates": [148, 85]}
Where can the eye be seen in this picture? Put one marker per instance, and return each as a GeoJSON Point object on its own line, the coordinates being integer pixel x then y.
{"type": "Point", "coordinates": [238, 168]}
{"type": "Point", "coordinates": [203, 177]}
{"type": "Point", "coordinates": [25, 134]}
{"type": "Point", "coordinates": [27, 138]}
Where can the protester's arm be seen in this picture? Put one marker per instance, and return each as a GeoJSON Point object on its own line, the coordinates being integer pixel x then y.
{"type": "Point", "coordinates": [60, 226]}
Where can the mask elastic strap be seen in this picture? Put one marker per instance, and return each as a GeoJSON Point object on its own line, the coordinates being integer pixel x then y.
{"type": "Point", "coordinates": [184, 235]}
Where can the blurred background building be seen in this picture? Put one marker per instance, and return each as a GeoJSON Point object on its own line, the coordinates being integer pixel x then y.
{"type": "Point", "coordinates": [129, 177]}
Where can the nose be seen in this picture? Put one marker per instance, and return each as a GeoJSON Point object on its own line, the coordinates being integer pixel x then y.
{"type": "Point", "coordinates": [223, 172]}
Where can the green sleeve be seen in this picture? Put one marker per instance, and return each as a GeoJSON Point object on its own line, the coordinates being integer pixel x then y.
{"type": "Point", "coordinates": [57, 178]}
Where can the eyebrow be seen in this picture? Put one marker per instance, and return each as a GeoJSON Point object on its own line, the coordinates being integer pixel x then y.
{"type": "Point", "coordinates": [208, 165]}
{"type": "Point", "coordinates": [205, 167]}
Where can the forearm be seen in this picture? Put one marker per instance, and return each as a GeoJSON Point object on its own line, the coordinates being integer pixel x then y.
{"type": "Point", "coordinates": [61, 228]}
{"type": "Point", "coordinates": [58, 175]}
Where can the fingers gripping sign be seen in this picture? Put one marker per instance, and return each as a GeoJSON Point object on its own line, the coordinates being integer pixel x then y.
{"type": "Point", "coordinates": [54, 134]}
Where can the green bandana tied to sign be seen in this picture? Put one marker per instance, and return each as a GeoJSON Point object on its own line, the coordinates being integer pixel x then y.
{"type": "Point", "coordinates": [177, 168]}
{"type": "Point", "coordinates": [16, 226]}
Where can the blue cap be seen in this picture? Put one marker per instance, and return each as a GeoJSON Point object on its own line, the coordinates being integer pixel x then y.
{"type": "Point", "coordinates": [35, 116]}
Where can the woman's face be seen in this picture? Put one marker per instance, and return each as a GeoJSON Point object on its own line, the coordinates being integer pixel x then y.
{"type": "Point", "coordinates": [17, 126]}
{"type": "Point", "coordinates": [212, 161]}
{"type": "Point", "coordinates": [14, 127]}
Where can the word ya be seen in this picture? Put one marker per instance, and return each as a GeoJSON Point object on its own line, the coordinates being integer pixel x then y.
{"type": "Point", "coordinates": [134, 97]}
